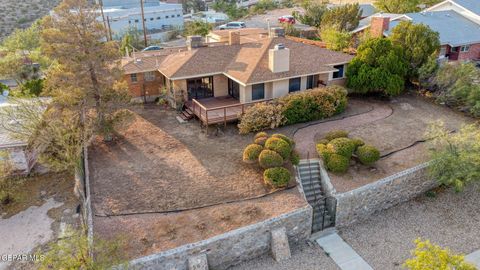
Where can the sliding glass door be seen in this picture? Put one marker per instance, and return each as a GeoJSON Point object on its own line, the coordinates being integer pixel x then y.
{"type": "Point", "coordinates": [199, 88]}
{"type": "Point", "coordinates": [233, 89]}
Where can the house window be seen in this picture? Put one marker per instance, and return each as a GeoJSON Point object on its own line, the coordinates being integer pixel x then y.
{"type": "Point", "coordinates": [136, 21]}
{"type": "Point", "coordinates": [454, 49]}
{"type": "Point", "coordinates": [294, 85]}
{"type": "Point", "coordinates": [338, 74]}
{"type": "Point", "coordinates": [129, 22]}
{"type": "Point", "coordinates": [159, 18]}
{"type": "Point", "coordinates": [166, 17]}
{"type": "Point", "coordinates": [149, 76]}
{"type": "Point", "coordinates": [258, 91]}
{"type": "Point", "coordinates": [133, 78]}
{"type": "Point", "coordinates": [311, 82]}
{"type": "Point", "coordinates": [151, 19]}
{"type": "Point", "coordinates": [465, 48]}
{"type": "Point", "coordinates": [178, 15]}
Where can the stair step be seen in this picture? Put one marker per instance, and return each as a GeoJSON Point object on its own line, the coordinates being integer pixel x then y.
{"type": "Point", "coordinates": [313, 171]}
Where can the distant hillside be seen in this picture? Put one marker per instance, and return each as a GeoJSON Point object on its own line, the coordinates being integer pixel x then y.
{"type": "Point", "coordinates": [21, 13]}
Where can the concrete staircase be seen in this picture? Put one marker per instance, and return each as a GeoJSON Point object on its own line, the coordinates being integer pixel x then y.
{"type": "Point", "coordinates": [309, 173]}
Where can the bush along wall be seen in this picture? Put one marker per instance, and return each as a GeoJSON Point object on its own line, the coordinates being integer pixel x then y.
{"type": "Point", "coordinates": [305, 106]}
{"type": "Point", "coordinates": [336, 150]}
{"type": "Point", "coordinates": [272, 153]}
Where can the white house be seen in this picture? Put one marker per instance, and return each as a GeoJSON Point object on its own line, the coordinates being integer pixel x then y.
{"type": "Point", "coordinates": [159, 17]}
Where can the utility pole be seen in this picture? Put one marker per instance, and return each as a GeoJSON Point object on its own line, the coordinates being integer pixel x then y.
{"type": "Point", "coordinates": [143, 22]}
{"type": "Point", "coordinates": [104, 22]}
{"type": "Point", "coordinates": [109, 29]}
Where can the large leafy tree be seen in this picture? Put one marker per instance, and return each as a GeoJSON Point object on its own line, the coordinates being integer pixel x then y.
{"type": "Point", "coordinates": [418, 41]}
{"type": "Point", "coordinates": [397, 6]}
{"type": "Point", "coordinates": [313, 13]}
{"type": "Point", "coordinates": [88, 94]}
{"type": "Point", "coordinates": [427, 256]}
{"type": "Point", "coordinates": [197, 27]}
{"type": "Point", "coordinates": [343, 18]}
{"type": "Point", "coordinates": [455, 156]}
{"type": "Point", "coordinates": [379, 66]}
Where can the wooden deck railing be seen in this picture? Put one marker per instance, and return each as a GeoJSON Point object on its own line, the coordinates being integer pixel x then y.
{"type": "Point", "coordinates": [215, 115]}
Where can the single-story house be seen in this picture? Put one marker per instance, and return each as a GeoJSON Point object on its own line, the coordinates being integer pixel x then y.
{"type": "Point", "coordinates": [456, 21]}
{"type": "Point", "coordinates": [228, 74]}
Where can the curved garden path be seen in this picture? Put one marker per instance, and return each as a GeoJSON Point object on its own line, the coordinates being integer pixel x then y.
{"type": "Point", "coordinates": [305, 137]}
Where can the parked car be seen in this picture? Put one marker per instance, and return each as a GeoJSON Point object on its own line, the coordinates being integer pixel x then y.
{"type": "Point", "coordinates": [287, 19]}
{"type": "Point", "coordinates": [152, 48]}
{"type": "Point", "coordinates": [232, 25]}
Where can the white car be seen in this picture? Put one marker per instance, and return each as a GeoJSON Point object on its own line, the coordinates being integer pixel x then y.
{"type": "Point", "coordinates": [232, 25]}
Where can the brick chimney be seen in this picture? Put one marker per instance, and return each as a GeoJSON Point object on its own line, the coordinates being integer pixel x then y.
{"type": "Point", "coordinates": [194, 42]}
{"type": "Point", "coordinates": [233, 37]}
{"type": "Point", "coordinates": [379, 25]}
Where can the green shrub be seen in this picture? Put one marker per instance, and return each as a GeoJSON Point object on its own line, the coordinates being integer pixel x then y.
{"type": "Point", "coordinates": [367, 154]}
{"type": "Point", "coordinates": [261, 141]}
{"type": "Point", "coordinates": [260, 135]}
{"type": "Point", "coordinates": [324, 151]}
{"type": "Point", "coordinates": [343, 146]}
{"type": "Point", "coordinates": [295, 158]}
{"type": "Point", "coordinates": [314, 104]}
{"type": "Point", "coordinates": [280, 146]}
{"type": "Point", "coordinates": [5, 197]}
{"type": "Point", "coordinates": [277, 177]}
{"type": "Point", "coordinates": [251, 153]}
{"type": "Point", "coordinates": [334, 134]}
{"type": "Point", "coordinates": [261, 116]}
{"type": "Point", "coordinates": [358, 142]}
{"type": "Point", "coordinates": [337, 163]}
{"type": "Point", "coordinates": [285, 138]}
{"type": "Point", "coordinates": [323, 141]}
{"type": "Point", "coordinates": [269, 159]}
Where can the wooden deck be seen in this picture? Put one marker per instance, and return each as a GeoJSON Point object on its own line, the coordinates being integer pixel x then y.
{"type": "Point", "coordinates": [218, 110]}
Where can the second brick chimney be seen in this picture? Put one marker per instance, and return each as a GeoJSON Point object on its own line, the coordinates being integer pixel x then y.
{"type": "Point", "coordinates": [379, 25]}
{"type": "Point", "coordinates": [233, 37]}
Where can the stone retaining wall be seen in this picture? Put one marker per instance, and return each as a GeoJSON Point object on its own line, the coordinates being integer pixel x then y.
{"type": "Point", "coordinates": [360, 203]}
{"type": "Point", "coordinates": [233, 247]}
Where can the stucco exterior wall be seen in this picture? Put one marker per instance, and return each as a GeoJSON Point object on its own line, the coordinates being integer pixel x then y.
{"type": "Point", "coordinates": [280, 88]}
{"type": "Point", "coordinates": [220, 86]}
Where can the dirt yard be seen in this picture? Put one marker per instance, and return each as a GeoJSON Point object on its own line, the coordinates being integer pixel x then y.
{"type": "Point", "coordinates": [164, 184]}
{"type": "Point", "coordinates": [396, 128]}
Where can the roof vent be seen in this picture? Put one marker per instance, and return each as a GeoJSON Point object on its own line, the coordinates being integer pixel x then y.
{"type": "Point", "coordinates": [280, 46]}
{"type": "Point", "coordinates": [138, 60]}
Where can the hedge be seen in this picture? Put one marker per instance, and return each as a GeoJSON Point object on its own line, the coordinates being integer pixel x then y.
{"type": "Point", "coordinates": [277, 177]}
{"type": "Point", "coordinates": [367, 154]}
{"type": "Point", "coordinates": [251, 153]}
{"type": "Point", "coordinates": [269, 159]}
{"type": "Point", "coordinates": [285, 138]}
{"type": "Point", "coordinates": [304, 106]}
{"type": "Point", "coordinates": [261, 140]}
{"type": "Point", "coordinates": [280, 146]}
{"type": "Point", "coordinates": [261, 135]}
{"type": "Point", "coordinates": [325, 151]}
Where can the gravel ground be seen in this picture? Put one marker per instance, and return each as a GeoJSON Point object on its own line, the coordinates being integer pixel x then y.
{"type": "Point", "coordinates": [449, 220]}
{"type": "Point", "coordinates": [304, 257]}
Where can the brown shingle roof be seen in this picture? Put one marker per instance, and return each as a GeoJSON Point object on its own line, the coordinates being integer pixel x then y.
{"type": "Point", "coordinates": [246, 62]}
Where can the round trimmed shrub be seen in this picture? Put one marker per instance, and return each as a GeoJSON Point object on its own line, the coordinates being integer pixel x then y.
{"type": "Point", "coordinates": [334, 134]}
{"type": "Point", "coordinates": [260, 135]}
{"type": "Point", "coordinates": [367, 154]}
{"type": "Point", "coordinates": [261, 140]}
{"type": "Point", "coordinates": [285, 138]}
{"type": "Point", "coordinates": [251, 153]}
{"type": "Point", "coordinates": [269, 159]}
{"type": "Point", "coordinates": [343, 146]}
{"type": "Point", "coordinates": [280, 146]}
{"type": "Point", "coordinates": [324, 151]}
{"type": "Point", "coordinates": [295, 158]}
{"type": "Point", "coordinates": [323, 141]}
{"type": "Point", "coordinates": [358, 142]}
{"type": "Point", "coordinates": [337, 163]}
{"type": "Point", "coordinates": [277, 177]}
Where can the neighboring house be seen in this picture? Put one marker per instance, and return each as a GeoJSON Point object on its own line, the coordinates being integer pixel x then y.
{"type": "Point", "coordinates": [367, 10]}
{"type": "Point", "coordinates": [229, 74]}
{"type": "Point", "coordinates": [126, 14]}
{"type": "Point", "coordinates": [456, 21]}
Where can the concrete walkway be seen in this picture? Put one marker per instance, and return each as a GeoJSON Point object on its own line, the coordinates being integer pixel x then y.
{"type": "Point", "coordinates": [305, 137]}
{"type": "Point", "coordinates": [344, 256]}
{"type": "Point", "coordinates": [474, 258]}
